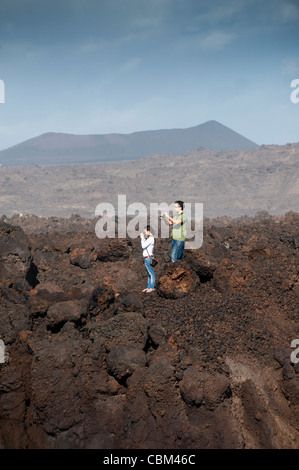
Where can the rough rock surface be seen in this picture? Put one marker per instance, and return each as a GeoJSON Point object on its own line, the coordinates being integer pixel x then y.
{"type": "Point", "coordinates": [203, 362]}
{"type": "Point", "coordinates": [176, 280]}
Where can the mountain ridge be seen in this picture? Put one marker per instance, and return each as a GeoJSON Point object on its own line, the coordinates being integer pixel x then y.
{"type": "Point", "coordinates": [63, 148]}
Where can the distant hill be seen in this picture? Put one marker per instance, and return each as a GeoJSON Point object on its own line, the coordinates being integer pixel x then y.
{"type": "Point", "coordinates": [232, 182]}
{"type": "Point", "coordinates": [59, 148]}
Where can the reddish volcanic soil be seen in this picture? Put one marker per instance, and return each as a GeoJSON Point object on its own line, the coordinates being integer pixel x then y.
{"type": "Point", "coordinates": [203, 362]}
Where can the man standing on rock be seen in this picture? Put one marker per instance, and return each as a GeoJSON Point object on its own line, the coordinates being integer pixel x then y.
{"type": "Point", "coordinates": [178, 233]}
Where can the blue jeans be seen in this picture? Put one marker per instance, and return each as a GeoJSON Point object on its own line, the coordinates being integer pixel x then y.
{"type": "Point", "coordinates": [150, 273]}
{"type": "Point", "coordinates": [177, 250]}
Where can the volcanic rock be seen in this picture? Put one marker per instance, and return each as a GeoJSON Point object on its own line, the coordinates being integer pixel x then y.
{"type": "Point", "coordinates": [176, 281]}
{"type": "Point", "coordinates": [199, 387]}
{"type": "Point", "coordinates": [216, 389]}
{"type": "Point", "coordinates": [192, 386]}
{"type": "Point", "coordinates": [14, 318]}
{"type": "Point", "coordinates": [128, 328]}
{"type": "Point", "coordinates": [255, 415]}
{"type": "Point", "coordinates": [156, 334]}
{"type": "Point", "coordinates": [61, 312]}
{"type": "Point", "coordinates": [91, 362]}
{"type": "Point", "coordinates": [123, 360]}
{"type": "Point", "coordinates": [83, 257]}
{"type": "Point", "coordinates": [290, 375]}
{"type": "Point", "coordinates": [101, 298]}
{"type": "Point", "coordinates": [128, 302]}
{"type": "Point", "coordinates": [115, 250]}
{"type": "Point", "coordinates": [203, 265]}
{"type": "Point", "coordinates": [231, 276]}
{"type": "Point", "coordinates": [15, 256]}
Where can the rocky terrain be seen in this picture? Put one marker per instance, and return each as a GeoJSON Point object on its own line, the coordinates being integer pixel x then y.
{"type": "Point", "coordinates": [232, 183]}
{"type": "Point", "coordinates": [204, 362]}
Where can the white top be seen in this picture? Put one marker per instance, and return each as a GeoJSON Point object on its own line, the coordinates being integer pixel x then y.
{"type": "Point", "coordinates": [148, 246]}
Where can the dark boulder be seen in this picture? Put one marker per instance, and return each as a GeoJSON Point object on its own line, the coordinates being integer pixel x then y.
{"type": "Point", "coordinates": [176, 280]}
{"type": "Point", "coordinates": [115, 250]}
{"type": "Point", "coordinates": [15, 256]}
{"type": "Point", "coordinates": [191, 386]}
{"type": "Point", "coordinates": [123, 360]}
{"type": "Point", "coordinates": [83, 257]}
{"type": "Point", "coordinates": [62, 312]}
{"type": "Point", "coordinates": [201, 263]}
{"type": "Point", "coordinates": [128, 302]}
{"type": "Point", "coordinates": [13, 319]}
{"type": "Point", "coordinates": [128, 328]}
{"type": "Point", "coordinates": [101, 298]}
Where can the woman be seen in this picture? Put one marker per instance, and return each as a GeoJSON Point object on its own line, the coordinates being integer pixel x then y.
{"type": "Point", "coordinates": [148, 243]}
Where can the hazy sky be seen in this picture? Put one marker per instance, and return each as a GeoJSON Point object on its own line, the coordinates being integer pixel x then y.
{"type": "Point", "coordinates": [104, 66]}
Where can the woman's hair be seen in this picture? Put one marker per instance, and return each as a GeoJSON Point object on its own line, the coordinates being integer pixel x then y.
{"type": "Point", "coordinates": [150, 229]}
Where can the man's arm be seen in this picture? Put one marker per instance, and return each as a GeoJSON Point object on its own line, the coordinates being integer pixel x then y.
{"type": "Point", "coordinates": [173, 221]}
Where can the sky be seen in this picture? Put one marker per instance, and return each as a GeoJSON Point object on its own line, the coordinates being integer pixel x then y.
{"type": "Point", "coordinates": [120, 66]}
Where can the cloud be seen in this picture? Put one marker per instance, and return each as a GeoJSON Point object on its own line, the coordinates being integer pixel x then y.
{"type": "Point", "coordinates": [147, 22]}
{"type": "Point", "coordinates": [290, 67]}
{"type": "Point", "coordinates": [131, 64]}
{"type": "Point", "coordinates": [216, 40]}
{"type": "Point", "coordinates": [289, 12]}
{"type": "Point", "coordinates": [90, 47]}
{"type": "Point", "coordinates": [206, 42]}
{"type": "Point", "coordinates": [219, 13]}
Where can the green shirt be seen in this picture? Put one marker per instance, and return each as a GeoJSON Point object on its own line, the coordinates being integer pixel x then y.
{"type": "Point", "coordinates": [179, 231]}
